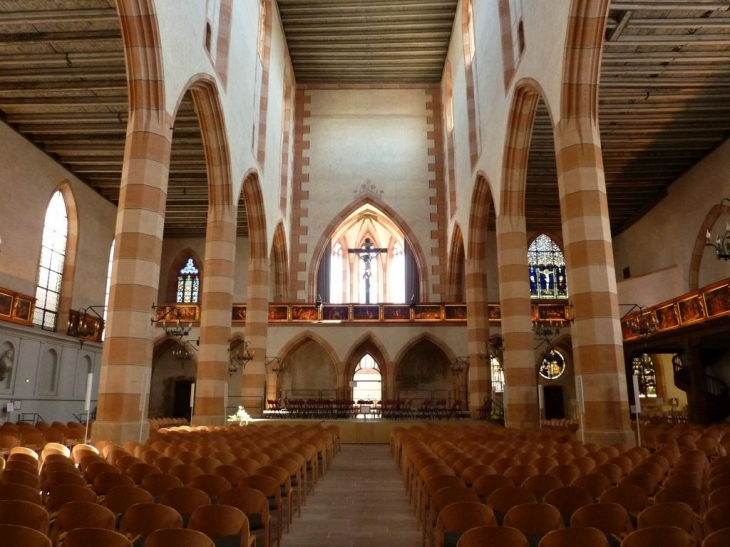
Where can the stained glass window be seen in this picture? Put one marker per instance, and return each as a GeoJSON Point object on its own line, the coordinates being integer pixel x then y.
{"type": "Point", "coordinates": [50, 271]}
{"type": "Point", "coordinates": [547, 269]}
{"type": "Point", "coordinates": [644, 369]}
{"type": "Point", "coordinates": [553, 365]}
{"type": "Point", "coordinates": [188, 284]}
{"type": "Point", "coordinates": [497, 375]}
{"type": "Point", "coordinates": [496, 360]}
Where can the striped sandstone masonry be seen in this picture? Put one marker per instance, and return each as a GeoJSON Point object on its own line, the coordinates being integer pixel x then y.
{"type": "Point", "coordinates": [300, 211]}
{"type": "Point", "coordinates": [127, 352]}
{"type": "Point", "coordinates": [439, 218]}
{"type": "Point", "coordinates": [521, 408]}
{"type": "Point", "coordinates": [467, 31]}
{"type": "Point", "coordinates": [257, 292]}
{"type": "Point", "coordinates": [477, 322]}
{"type": "Point", "coordinates": [597, 343]}
{"type": "Point", "coordinates": [220, 251]}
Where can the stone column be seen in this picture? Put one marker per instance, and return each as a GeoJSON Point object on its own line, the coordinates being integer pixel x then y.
{"type": "Point", "coordinates": [596, 331]}
{"type": "Point", "coordinates": [215, 319]}
{"type": "Point", "coordinates": [697, 395]}
{"type": "Point", "coordinates": [521, 406]}
{"type": "Point", "coordinates": [477, 329]}
{"type": "Point", "coordinates": [128, 345]}
{"type": "Point", "coordinates": [257, 324]}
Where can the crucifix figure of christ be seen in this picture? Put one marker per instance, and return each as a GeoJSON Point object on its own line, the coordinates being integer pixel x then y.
{"type": "Point", "coordinates": [366, 253]}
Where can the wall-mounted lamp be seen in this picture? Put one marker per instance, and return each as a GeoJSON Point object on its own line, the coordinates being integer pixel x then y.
{"type": "Point", "coordinates": [239, 358]}
{"type": "Point", "coordinates": [276, 365]}
{"type": "Point", "coordinates": [721, 244]}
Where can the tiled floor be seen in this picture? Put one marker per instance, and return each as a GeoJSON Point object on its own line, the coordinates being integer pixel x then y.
{"type": "Point", "coordinates": [360, 502]}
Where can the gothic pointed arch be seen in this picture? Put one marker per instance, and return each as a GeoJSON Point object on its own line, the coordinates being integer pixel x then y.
{"type": "Point", "coordinates": [481, 204]}
{"type": "Point", "coordinates": [457, 267]}
{"type": "Point", "coordinates": [143, 54]}
{"type": "Point", "coordinates": [517, 145]}
{"type": "Point", "coordinates": [423, 366]}
{"type": "Point", "coordinates": [409, 236]}
{"type": "Point", "coordinates": [279, 266]}
{"type": "Point", "coordinates": [367, 343]}
{"type": "Point", "coordinates": [303, 337]}
{"type": "Point", "coordinates": [582, 58]}
{"type": "Point", "coordinates": [305, 373]}
{"type": "Point", "coordinates": [209, 111]}
{"type": "Point", "coordinates": [698, 251]}
{"type": "Point", "coordinates": [252, 205]}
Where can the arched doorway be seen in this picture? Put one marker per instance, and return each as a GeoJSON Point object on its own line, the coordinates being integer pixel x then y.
{"type": "Point", "coordinates": [367, 380]}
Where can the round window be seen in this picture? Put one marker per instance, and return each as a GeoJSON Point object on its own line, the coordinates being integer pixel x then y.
{"type": "Point", "coordinates": [553, 365]}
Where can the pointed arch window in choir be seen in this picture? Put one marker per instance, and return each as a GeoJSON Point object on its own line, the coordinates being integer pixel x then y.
{"type": "Point", "coordinates": [643, 368]}
{"type": "Point", "coordinates": [546, 264]}
{"type": "Point", "coordinates": [188, 284]}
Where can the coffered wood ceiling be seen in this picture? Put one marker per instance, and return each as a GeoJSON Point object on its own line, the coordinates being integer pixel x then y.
{"type": "Point", "coordinates": [665, 85]}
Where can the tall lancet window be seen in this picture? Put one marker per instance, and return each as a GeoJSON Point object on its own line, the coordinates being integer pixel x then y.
{"type": "Point", "coordinates": [50, 271]}
{"type": "Point", "coordinates": [337, 270]}
{"type": "Point", "coordinates": [397, 275]}
{"type": "Point", "coordinates": [547, 269]}
{"type": "Point", "coordinates": [108, 287]}
{"type": "Point", "coordinates": [188, 284]}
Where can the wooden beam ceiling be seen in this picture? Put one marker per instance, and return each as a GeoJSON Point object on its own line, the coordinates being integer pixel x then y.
{"type": "Point", "coordinates": [664, 94]}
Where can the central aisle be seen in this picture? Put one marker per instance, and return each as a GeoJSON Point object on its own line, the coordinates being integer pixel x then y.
{"type": "Point", "coordinates": [360, 502]}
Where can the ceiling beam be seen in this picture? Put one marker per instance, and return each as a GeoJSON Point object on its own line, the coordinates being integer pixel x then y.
{"type": "Point", "coordinates": [61, 36]}
{"type": "Point", "coordinates": [34, 17]}
{"type": "Point", "coordinates": [670, 5]}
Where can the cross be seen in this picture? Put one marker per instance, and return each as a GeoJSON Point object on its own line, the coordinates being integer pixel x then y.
{"type": "Point", "coordinates": [366, 253]}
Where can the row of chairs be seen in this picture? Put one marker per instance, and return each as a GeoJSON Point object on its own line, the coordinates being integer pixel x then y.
{"type": "Point", "coordinates": [108, 479]}
{"type": "Point", "coordinates": [548, 472]}
{"type": "Point", "coordinates": [157, 423]}
{"type": "Point", "coordinates": [35, 437]}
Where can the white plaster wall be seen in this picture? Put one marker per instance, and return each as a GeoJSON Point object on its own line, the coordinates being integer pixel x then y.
{"type": "Point", "coordinates": [29, 178]}
{"type": "Point", "coordinates": [666, 235]}
{"type": "Point", "coordinates": [650, 289]}
{"type": "Point", "coordinates": [376, 135]}
{"type": "Point", "coordinates": [545, 24]}
{"type": "Point", "coordinates": [343, 338]}
{"type": "Point", "coordinates": [182, 28]}
{"type": "Point", "coordinates": [69, 386]}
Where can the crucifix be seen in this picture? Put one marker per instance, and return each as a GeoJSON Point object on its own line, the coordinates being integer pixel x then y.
{"type": "Point", "coordinates": [366, 253]}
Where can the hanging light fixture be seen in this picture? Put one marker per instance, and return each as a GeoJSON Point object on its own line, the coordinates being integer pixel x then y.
{"type": "Point", "coordinates": [641, 323]}
{"type": "Point", "coordinates": [181, 354]}
{"type": "Point", "coordinates": [721, 244]}
{"type": "Point", "coordinates": [546, 330]}
{"type": "Point", "coordinates": [83, 324]}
